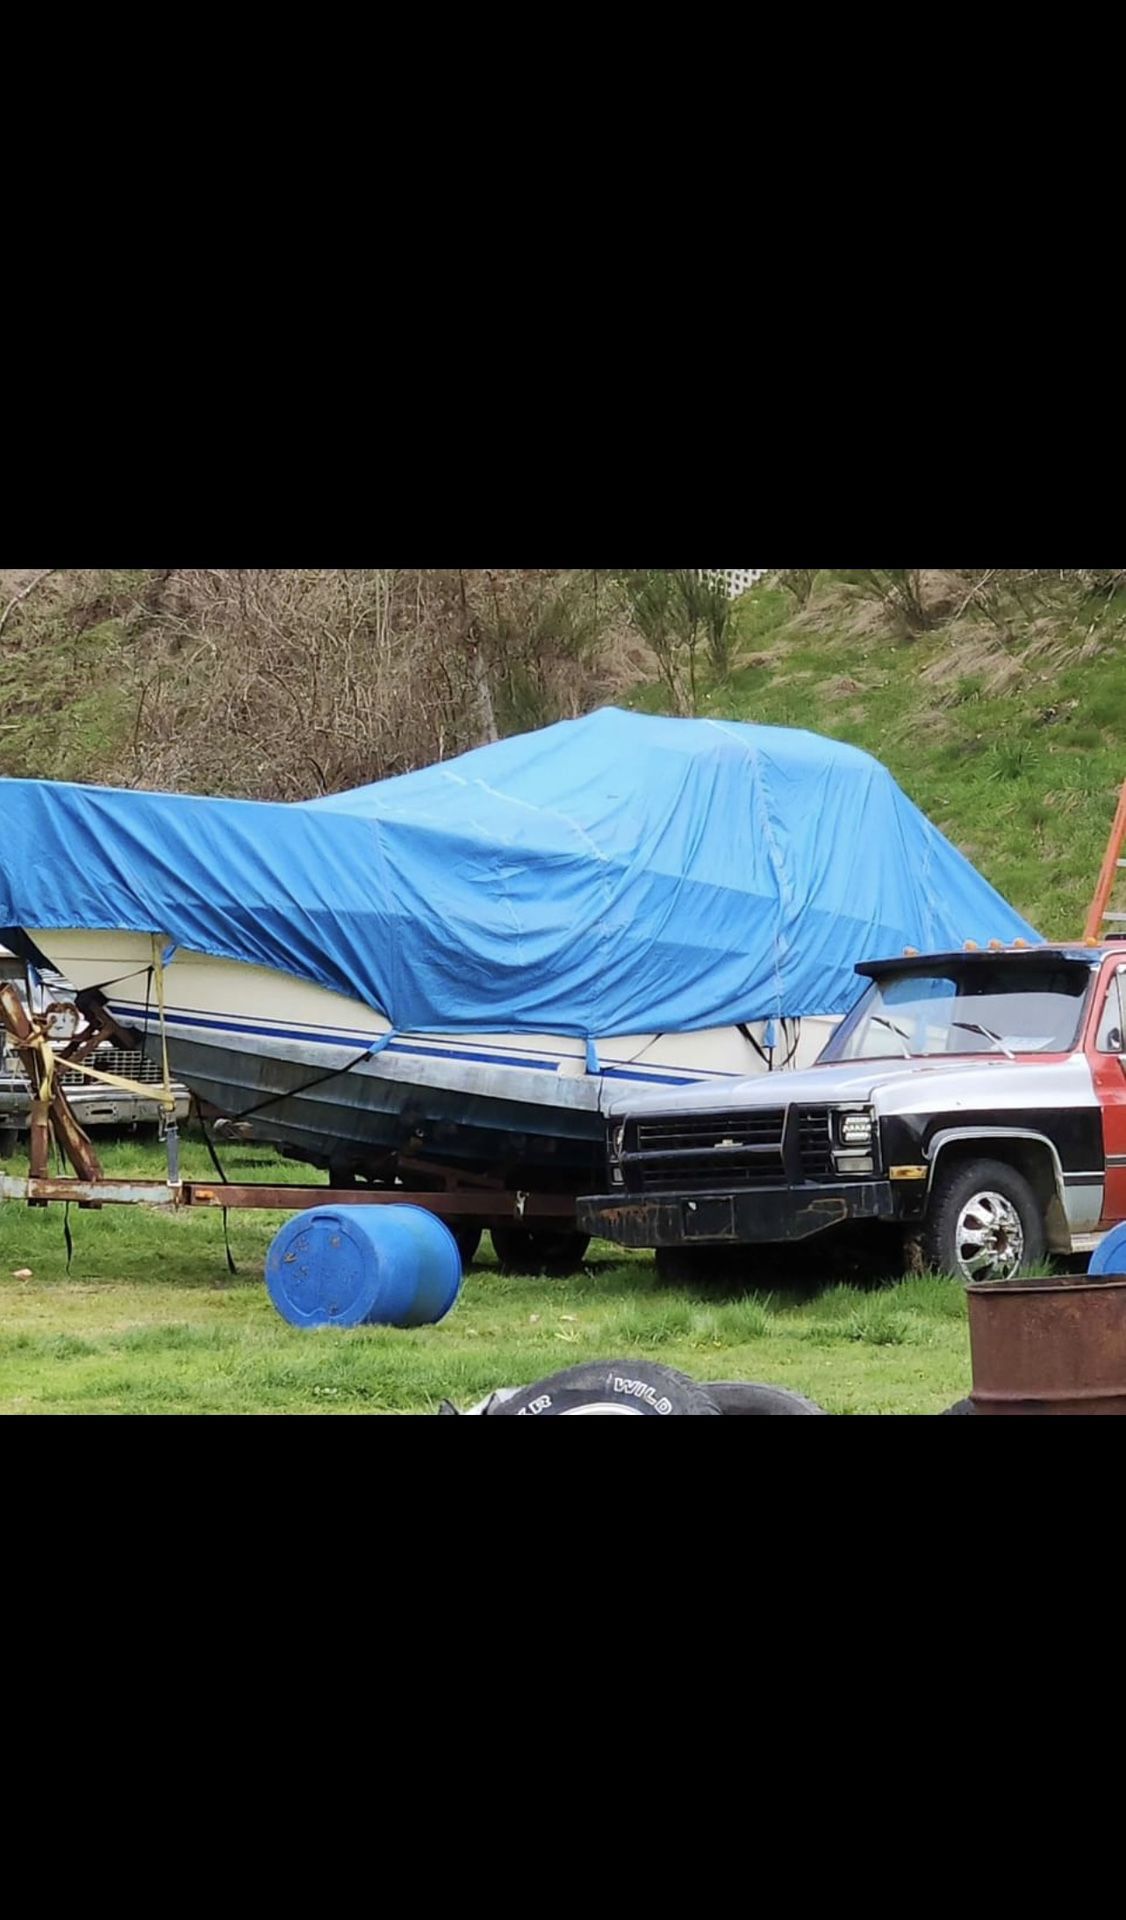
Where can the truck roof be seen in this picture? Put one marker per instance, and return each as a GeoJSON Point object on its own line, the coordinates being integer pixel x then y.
{"type": "Point", "coordinates": [1073, 951]}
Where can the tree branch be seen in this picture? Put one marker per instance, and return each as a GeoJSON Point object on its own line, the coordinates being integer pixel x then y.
{"type": "Point", "coordinates": [24, 594]}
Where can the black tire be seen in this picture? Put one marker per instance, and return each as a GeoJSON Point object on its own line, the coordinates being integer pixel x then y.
{"type": "Point", "coordinates": [745, 1399]}
{"type": "Point", "coordinates": [960, 1406]}
{"type": "Point", "coordinates": [468, 1242]}
{"type": "Point", "coordinates": [539, 1249]}
{"type": "Point", "coordinates": [613, 1386]}
{"type": "Point", "coordinates": [954, 1191]}
{"type": "Point", "coordinates": [9, 1141]}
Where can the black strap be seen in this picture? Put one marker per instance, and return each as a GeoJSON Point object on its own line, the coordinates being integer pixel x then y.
{"type": "Point", "coordinates": [221, 1171]}
{"type": "Point", "coordinates": [752, 1041]}
{"type": "Point", "coordinates": [261, 1107]}
{"type": "Point", "coordinates": [334, 1073]}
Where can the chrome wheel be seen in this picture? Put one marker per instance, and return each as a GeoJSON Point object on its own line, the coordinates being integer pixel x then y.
{"type": "Point", "coordinates": [989, 1238]}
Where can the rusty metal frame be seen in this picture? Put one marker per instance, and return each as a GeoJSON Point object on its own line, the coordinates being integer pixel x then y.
{"type": "Point", "coordinates": [88, 1188]}
{"type": "Point", "coordinates": [44, 1190]}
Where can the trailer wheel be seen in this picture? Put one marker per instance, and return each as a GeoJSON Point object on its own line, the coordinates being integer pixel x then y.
{"type": "Point", "coordinates": [984, 1222]}
{"type": "Point", "coordinates": [614, 1386]}
{"type": "Point", "coordinates": [745, 1399]}
{"type": "Point", "coordinates": [468, 1242]}
{"type": "Point", "coordinates": [9, 1140]}
{"type": "Point", "coordinates": [539, 1249]}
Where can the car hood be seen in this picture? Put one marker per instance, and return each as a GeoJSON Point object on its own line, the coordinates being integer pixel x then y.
{"type": "Point", "coordinates": [891, 1086]}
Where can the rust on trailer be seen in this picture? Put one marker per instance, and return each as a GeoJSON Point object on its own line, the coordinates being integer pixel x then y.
{"type": "Point", "coordinates": [1049, 1347]}
{"type": "Point", "coordinates": [477, 1205]}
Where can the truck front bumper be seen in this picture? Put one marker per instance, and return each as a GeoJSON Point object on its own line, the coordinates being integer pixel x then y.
{"type": "Point", "coordinates": [765, 1215]}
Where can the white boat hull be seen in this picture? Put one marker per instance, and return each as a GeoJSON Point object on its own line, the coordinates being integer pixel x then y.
{"type": "Point", "coordinates": [299, 1059]}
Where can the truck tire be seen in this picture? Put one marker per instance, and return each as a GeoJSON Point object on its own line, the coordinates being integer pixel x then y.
{"type": "Point", "coordinates": [745, 1399]}
{"type": "Point", "coordinates": [983, 1222]}
{"type": "Point", "coordinates": [9, 1140]}
{"type": "Point", "coordinates": [539, 1249]}
{"type": "Point", "coordinates": [612, 1386]}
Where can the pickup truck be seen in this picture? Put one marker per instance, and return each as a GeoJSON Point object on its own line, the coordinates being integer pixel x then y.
{"type": "Point", "coordinates": [972, 1104]}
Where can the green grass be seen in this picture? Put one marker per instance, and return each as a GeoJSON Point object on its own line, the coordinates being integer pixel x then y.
{"type": "Point", "coordinates": [149, 1321]}
{"type": "Point", "coordinates": [1011, 742]}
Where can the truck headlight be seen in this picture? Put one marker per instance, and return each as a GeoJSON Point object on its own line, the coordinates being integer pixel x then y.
{"type": "Point", "coordinates": [857, 1130]}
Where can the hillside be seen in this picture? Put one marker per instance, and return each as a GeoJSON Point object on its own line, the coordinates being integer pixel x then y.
{"type": "Point", "coordinates": [1009, 732]}
{"type": "Point", "coordinates": [1003, 718]}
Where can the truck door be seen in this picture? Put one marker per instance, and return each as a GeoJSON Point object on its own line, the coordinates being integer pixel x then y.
{"type": "Point", "coordinates": [1108, 1068]}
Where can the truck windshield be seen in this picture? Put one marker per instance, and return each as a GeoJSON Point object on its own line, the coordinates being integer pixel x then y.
{"type": "Point", "coordinates": [1001, 1008]}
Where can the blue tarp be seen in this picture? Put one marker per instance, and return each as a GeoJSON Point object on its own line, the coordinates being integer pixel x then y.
{"type": "Point", "coordinates": [612, 875]}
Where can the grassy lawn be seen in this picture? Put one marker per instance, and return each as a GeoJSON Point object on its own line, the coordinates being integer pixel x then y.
{"type": "Point", "coordinates": [150, 1321]}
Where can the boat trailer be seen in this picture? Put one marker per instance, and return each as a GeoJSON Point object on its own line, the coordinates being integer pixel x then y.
{"type": "Point", "coordinates": [462, 1204]}
{"type": "Point", "coordinates": [52, 1118]}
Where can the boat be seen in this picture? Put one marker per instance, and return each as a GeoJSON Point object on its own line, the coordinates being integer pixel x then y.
{"type": "Point", "coordinates": [452, 974]}
{"type": "Point", "coordinates": [256, 1043]}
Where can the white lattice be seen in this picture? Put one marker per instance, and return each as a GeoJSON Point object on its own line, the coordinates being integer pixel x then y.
{"type": "Point", "coordinates": [736, 582]}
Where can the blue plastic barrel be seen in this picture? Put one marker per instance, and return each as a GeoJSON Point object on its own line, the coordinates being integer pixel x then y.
{"type": "Point", "coordinates": [364, 1266]}
{"type": "Point", "coordinates": [1109, 1257]}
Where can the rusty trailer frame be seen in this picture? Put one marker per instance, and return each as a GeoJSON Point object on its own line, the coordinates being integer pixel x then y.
{"type": "Point", "coordinates": [478, 1204]}
{"type": "Point", "coordinates": [470, 1205]}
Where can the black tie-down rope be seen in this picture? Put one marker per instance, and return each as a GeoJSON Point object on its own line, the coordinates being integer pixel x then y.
{"type": "Point", "coordinates": [260, 1107]}
{"type": "Point", "coordinates": [295, 1093]}
{"type": "Point", "coordinates": [334, 1073]}
{"type": "Point", "coordinates": [767, 1056]}
{"type": "Point", "coordinates": [218, 1166]}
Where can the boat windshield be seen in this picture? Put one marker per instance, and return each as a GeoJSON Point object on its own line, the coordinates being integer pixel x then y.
{"type": "Point", "coordinates": [1002, 1008]}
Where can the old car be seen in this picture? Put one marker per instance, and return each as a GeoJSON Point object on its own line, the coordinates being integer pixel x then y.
{"type": "Point", "coordinates": [95, 1106]}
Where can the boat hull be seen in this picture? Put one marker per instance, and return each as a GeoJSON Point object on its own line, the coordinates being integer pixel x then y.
{"type": "Point", "coordinates": [326, 1079]}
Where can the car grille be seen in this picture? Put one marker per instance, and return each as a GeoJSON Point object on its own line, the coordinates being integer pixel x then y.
{"type": "Point", "coordinates": [815, 1143]}
{"type": "Point", "coordinates": [129, 1065]}
{"type": "Point", "coordinates": [686, 1152]}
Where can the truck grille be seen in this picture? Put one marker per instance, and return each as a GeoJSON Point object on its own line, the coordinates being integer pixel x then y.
{"type": "Point", "coordinates": [701, 1151]}
{"type": "Point", "coordinates": [815, 1144]}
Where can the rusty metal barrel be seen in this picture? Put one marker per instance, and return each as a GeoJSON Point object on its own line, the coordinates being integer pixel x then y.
{"type": "Point", "coordinates": [1049, 1346]}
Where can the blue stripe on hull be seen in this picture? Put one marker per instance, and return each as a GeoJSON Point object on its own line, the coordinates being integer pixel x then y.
{"type": "Point", "coordinates": [131, 1012]}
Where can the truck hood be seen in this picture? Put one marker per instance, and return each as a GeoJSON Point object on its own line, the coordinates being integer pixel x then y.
{"type": "Point", "coordinates": [891, 1086]}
